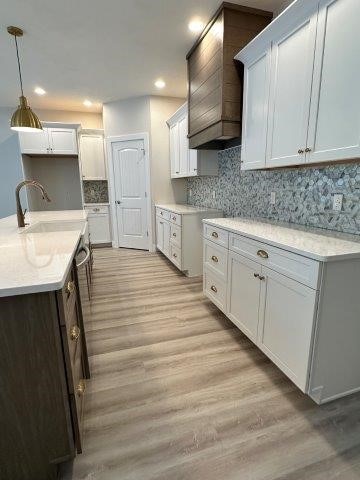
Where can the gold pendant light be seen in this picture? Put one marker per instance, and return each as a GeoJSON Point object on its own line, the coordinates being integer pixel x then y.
{"type": "Point", "coordinates": [23, 119]}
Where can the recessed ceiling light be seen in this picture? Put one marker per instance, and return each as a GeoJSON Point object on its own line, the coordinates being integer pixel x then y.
{"type": "Point", "coordinates": [87, 103]}
{"type": "Point", "coordinates": [159, 83]}
{"type": "Point", "coordinates": [39, 91]}
{"type": "Point", "coordinates": [196, 26]}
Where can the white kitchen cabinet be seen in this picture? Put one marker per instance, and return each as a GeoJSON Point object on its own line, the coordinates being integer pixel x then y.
{"type": "Point", "coordinates": [49, 141]}
{"type": "Point", "coordinates": [291, 305]}
{"type": "Point", "coordinates": [178, 235]}
{"type": "Point", "coordinates": [99, 224]}
{"type": "Point", "coordinates": [334, 125]}
{"type": "Point", "coordinates": [183, 161]}
{"type": "Point", "coordinates": [313, 103]}
{"type": "Point", "coordinates": [92, 155]}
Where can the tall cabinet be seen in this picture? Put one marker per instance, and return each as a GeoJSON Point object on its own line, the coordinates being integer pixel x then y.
{"type": "Point", "coordinates": [301, 99]}
{"type": "Point", "coordinates": [185, 162]}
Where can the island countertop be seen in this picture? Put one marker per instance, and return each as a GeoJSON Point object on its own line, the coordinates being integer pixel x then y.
{"type": "Point", "coordinates": [37, 262]}
{"type": "Point", "coordinates": [319, 244]}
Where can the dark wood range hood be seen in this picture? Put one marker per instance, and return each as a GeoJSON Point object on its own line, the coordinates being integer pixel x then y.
{"type": "Point", "coordinates": [215, 78]}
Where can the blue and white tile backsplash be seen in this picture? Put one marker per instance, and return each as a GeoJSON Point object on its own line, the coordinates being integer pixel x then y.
{"type": "Point", "coordinates": [303, 194]}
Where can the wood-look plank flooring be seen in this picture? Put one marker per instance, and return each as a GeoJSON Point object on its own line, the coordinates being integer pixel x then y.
{"type": "Point", "coordinates": [177, 392]}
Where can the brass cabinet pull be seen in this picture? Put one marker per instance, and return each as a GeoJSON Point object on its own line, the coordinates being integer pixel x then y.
{"type": "Point", "coordinates": [174, 234]}
{"type": "Point", "coordinates": [80, 389]}
{"type": "Point", "coordinates": [262, 254]}
{"type": "Point", "coordinates": [300, 151]}
{"type": "Point", "coordinates": [215, 235]}
{"type": "Point", "coordinates": [213, 288]}
{"type": "Point", "coordinates": [307, 149]}
{"type": "Point", "coordinates": [214, 258]}
{"type": "Point", "coordinates": [70, 287]}
{"type": "Point", "coordinates": [74, 332]}
{"type": "Point", "coordinates": [256, 275]}
{"type": "Point", "coordinates": [261, 277]}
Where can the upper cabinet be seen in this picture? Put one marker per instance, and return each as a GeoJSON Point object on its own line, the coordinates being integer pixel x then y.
{"type": "Point", "coordinates": [49, 141]}
{"type": "Point", "coordinates": [215, 82]}
{"type": "Point", "coordinates": [301, 102]}
{"type": "Point", "coordinates": [92, 155]}
{"type": "Point", "coordinates": [183, 161]}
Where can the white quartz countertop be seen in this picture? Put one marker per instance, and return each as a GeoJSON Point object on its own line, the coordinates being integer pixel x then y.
{"type": "Point", "coordinates": [185, 209]}
{"type": "Point", "coordinates": [319, 244]}
{"type": "Point", "coordinates": [37, 262]}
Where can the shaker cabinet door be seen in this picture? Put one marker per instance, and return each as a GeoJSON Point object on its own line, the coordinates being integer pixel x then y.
{"type": "Point", "coordinates": [92, 157]}
{"type": "Point", "coordinates": [183, 147]}
{"type": "Point", "coordinates": [174, 150]}
{"type": "Point", "coordinates": [334, 127]}
{"type": "Point", "coordinates": [160, 233]}
{"type": "Point", "coordinates": [34, 142]}
{"type": "Point", "coordinates": [63, 141]}
{"type": "Point", "coordinates": [292, 58]}
{"type": "Point", "coordinates": [287, 310]}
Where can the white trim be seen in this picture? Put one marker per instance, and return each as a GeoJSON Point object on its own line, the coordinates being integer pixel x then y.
{"type": "Point", "coordinates": [144, 136]}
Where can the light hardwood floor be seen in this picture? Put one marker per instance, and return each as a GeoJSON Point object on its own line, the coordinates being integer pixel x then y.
{"type": "Point", "coordinates": [177, 392]}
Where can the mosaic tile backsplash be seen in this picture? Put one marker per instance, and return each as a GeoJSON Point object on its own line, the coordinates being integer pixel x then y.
{"type": "Point", "coordinates": [95, 191]}
{"type": "Point", "coordinates": [303, 195]}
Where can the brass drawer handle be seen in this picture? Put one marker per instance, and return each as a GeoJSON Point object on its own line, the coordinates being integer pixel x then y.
{"type": "Point", "coordinates": [213, 288]}
{"type": "Point", "coordinates": [174, 234]}
{"type": "Point", "coordinates": [214, 258]}
{"type": "Point", "coordinates": [70, 287]}
{"type": "Point", "coordinates": [215, 235]}
{"type": "Point", "coordinates": [74, 332]}
{"type": "Point", "coordinates": [80, 389]}
{"type": "Point", "coordinates": [262, 254]}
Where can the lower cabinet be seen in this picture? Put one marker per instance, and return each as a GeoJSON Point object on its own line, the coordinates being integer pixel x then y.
{"type": "Point", "coordinates": [99, 224]}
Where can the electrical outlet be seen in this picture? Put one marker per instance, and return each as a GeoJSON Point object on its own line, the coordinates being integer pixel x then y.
{"type": "Point", "coordinates": [190, 192]}
{"type": "Point", "coordinates": [272, 198]}
{"type": "Point", "coordinates": [337, 202]}
{"type": "Point", "coordinates": [213, 194]}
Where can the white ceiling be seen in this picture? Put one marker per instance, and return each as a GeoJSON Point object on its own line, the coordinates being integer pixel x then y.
{"type": "Point", "coordinates": [103, 51]}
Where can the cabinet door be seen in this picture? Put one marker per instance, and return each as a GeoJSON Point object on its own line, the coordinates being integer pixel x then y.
{"type": "Point", "coordinates": [166, 248]}
{"type": "Point", "coordinates": [34, 142]}
{"type": "Point", "coordinates": [286, 324]}
{"type": "Point", "coordinates": [99, 227]}
{"type": "Point", "coordinates": [183, 147]}
{"type": "Point", "coordinates": [193, 163]}
{"type": "Point", "coordinates": [63, 141]}
{"type": "Point", "coordinates": [256, 100]}
{"type": "Point", "coordinates": [334, 127]}
{"type": "Point", "coordinates": [160, 233]}
{"type": "Point", "coordinates": [92, 157]}
{"type": "Point", "coordinates": [174, 150]}
{"type": "Point", "coordinates": [292, 58]}
{"type": "Point", "coordinates": [244, 294]}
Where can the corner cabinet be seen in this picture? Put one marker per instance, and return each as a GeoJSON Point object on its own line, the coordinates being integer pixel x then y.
{"type": "Point", "coordinates": [185, 162]}
{"type": "Point", "coordinates": [301, 101]}
{"type": "Point", "coordinates": [49, 141]}
{"type": "Point", "coordinates": [289, 305]}
{"type": "Point", "coordinates": [92, 155]}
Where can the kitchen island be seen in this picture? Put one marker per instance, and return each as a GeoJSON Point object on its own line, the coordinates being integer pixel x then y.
{"type": "Point", "coordinates": [43, 358]}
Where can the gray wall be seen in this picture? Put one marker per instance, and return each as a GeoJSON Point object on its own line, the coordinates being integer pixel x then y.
{"type": "Point", "coordinates": [10, 164]}
{"type": "Point", "coordinates": [303, 195]}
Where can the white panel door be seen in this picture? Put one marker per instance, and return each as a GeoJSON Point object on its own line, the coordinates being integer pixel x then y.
{"type": "Point", "coordinates": [34, 142]}
{"type": "Point", "coordinates": [292, 60]}
{"type": "Point", "coordinates": [255, 115]}
{"type": "Point", "coordinates": [130, 193]}
{"type": "Point", "coordinates": [334, 127]}
{"type": "Point", "coordinates": [63, 141]}
{"type": "Point", "coordinates": [160, 233]}
{"type": "Point", "coordinates": [286, 324]}
{"type": "Point", "coordinates": [92, 157]}
{"type": "Point", "coordinates": [183, 147]}
{"type": "Point", "coordinates": [244, 294]}
{"type": "Point", "coordinates": [99, 227]}
{"type": "Point", "coordinates": [174, 150]}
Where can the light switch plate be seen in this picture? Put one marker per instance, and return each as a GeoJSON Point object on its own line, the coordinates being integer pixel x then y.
{"type": "Point", "coordinates": [337, 202]}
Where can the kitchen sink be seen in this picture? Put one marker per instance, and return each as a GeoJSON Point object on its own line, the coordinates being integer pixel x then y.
{"type": "Point", "coordinates": [62, 226]}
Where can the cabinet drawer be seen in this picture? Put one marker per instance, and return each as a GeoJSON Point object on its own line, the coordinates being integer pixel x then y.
{"type": "Point", "coordinates": [215, 259]}
{"type": "Point", "coordinates": [175, 218]}
{"type": "Point", "coordinates": [175, 255]}
{"type": "Point", "coordinates": [175, 235]}
{"type": "Point", "coordinates": [215, 289]}
{"type": "Point", "coordinates": [97, 209]}
{"type": "Point", "coordinates": [297, 267]}
{"type": "Point", "coordinates": [216, 235]}
{"type": "Point", "coordinates": [165, 214]}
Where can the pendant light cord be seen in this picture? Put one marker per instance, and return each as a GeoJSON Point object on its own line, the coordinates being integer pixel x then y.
{"type": "Point", "coordinates": [18, 60]}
